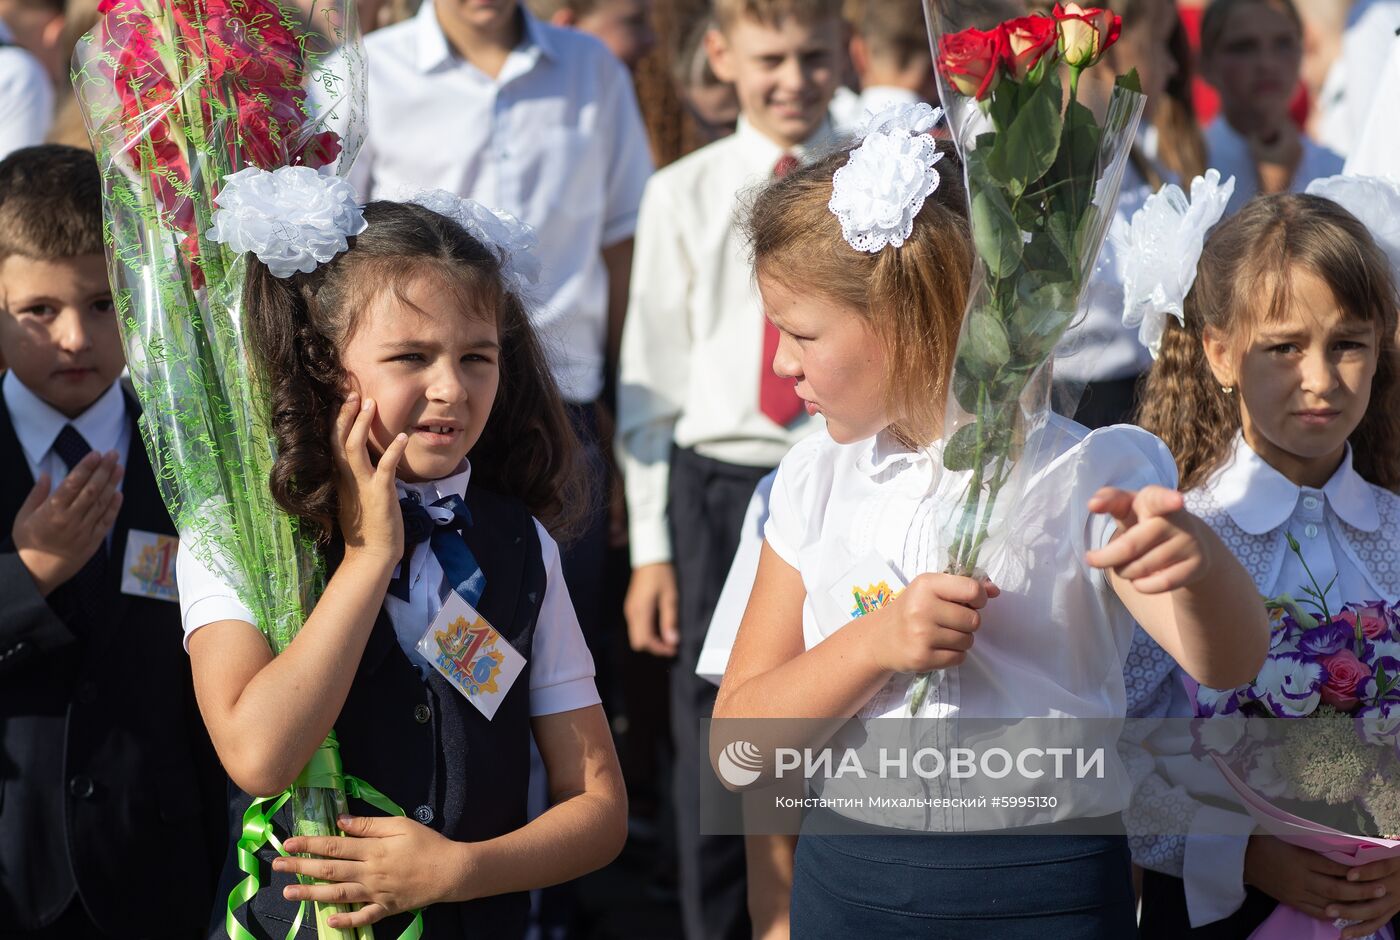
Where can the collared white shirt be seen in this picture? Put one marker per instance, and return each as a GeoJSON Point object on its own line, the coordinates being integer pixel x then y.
{"type": "Point", "coordinates": [555, 139]}
{"type": "Point", "coordinates": [37, 425]}
{"type": "Point", "coordinates": [1350, 94]}
{"type": "Point", "coordinates": [561, 667]}
{"type": "Point", "coordinates": [1186, 827]}
{"type": "Point", "coordinates": [1052, 645]}
{"type": "Point", "coordinates": [1228, 152]}
{"type": "Point", "coordinates": [692, 346]}
{"type": "Point", "coordinates": [1377, 150]}
{"type": "Point", "coordinates": [26, 97]}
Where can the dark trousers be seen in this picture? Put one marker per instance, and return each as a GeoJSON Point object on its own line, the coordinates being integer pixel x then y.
{"type": "Point", "coordinates": [1025, 884]}
{"type": "Point", "coordinates": [1164, 915]}
{"type": "Point", "coordinates": [706, 507]}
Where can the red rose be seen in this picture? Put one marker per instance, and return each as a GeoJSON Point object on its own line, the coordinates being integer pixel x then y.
{"type": "Point", "coordinates": [1344, 673]}
{"type": "Point", "coordinates": [1028, 38]}
{"type": "Point", "coordinates": [1086, 33]}
{"type": "Point", "coordinates": [971, 60]}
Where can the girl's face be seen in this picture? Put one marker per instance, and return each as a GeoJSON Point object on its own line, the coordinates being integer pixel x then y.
{"type": "Point", "coordinates": [432, 370]}
{"type": "Point", "coordinates": [831, 353]}
{"type": "Point", "coordinates": [1256, 62]}
{"type": "Point", "coordinates": [1303, 383]}
{"type": "Point", "coordinates": [1144, 46]}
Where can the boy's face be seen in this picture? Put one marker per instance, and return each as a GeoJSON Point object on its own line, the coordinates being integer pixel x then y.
{"type": "Point", "coordinates": [58, 329]}
{"type": "Point", "coordinates": [624, 26]}
{"type": "Point", "coordinates": [783, 73]}
{"type": "Point", "coordinates": [484, 17]}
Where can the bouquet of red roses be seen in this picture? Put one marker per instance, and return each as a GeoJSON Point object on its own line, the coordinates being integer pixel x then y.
{"type": "Point", "coordinates": [1043, 173]}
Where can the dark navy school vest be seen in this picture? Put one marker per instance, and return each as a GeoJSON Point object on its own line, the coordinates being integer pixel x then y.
{"type": "Point", "coordinates": [427, 748]}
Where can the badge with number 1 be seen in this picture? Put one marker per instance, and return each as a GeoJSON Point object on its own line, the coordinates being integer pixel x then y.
{"type": "Point", "coordinates": [471, 654]}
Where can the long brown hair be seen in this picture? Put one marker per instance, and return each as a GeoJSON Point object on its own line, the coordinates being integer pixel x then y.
{"type": "Point", "coordinates": [1243, 279]}
{"type": "Point", "coordinates": [913, 296]}
{"type": "Point", "coordinates": [297, 327]}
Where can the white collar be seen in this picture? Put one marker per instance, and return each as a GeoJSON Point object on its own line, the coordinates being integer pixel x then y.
{"type": "Point", "coordinates": [430, 491]}
{"type": "Point", "coordinates": [37, 423]}
{"type": "Point", "coordinates": [1260, 499]}
{"type": "Point", "coordinates": [766, 152]}
{"type": "Point", "coordinates": [434, 51]}
{"type": "Point", "coordinates": [882, 451]}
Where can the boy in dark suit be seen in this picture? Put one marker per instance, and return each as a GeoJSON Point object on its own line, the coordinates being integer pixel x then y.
{"type": "Point", "coordinates": [112, 807]}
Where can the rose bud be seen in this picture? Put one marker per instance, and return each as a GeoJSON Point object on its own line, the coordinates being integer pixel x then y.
{"type": "Point", "coordinates": [1086, 33]}
{"type": "Point", "coordinates": [1028, 39]}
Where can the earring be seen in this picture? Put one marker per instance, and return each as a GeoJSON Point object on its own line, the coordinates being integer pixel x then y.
{"type": "Point", "coordinates": [1227, 389]}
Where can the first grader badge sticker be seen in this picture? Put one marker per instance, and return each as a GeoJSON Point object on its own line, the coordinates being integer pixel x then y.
{"type": "Point", "coordinates": [471, 654]}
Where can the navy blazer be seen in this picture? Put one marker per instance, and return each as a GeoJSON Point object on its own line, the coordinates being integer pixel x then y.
{"type": "Point", "coordinates": [109, 786]}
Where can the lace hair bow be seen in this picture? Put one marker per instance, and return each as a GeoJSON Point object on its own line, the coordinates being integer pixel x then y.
{"type": "Point", "coordinates": [513, 241]}
{"type": "Point", "coordinates": [1159, 251]}
{"type": "Point", "coordinates": [1374, 201]}
{"type": "Point", "coordinates": [293, 218]}
{"type": "Point", "coordinates": [884, 183]}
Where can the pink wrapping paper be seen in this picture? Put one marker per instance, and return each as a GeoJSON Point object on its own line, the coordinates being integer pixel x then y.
{"type": "Point", "coordinates": [1286, 923]}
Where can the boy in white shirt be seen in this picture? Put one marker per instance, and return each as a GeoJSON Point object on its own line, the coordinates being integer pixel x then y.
{"type": "Point", "coordinates": [890, 54]}
{"type": "Point", "coordinates": [484, 100]}
{"type": "Point", "coordinates": [624, 26]}
{"type": "Point", "coordinates": [701, 415]}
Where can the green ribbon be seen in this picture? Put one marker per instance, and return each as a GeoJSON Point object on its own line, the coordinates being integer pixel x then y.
{"type": "Point", "coordinates": [324, 771]}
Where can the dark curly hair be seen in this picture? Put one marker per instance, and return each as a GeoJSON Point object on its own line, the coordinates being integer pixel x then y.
{"type": "Point", "coordinates": [297, 326]}
{"type": "Point", "coordinates": [1243, 280]}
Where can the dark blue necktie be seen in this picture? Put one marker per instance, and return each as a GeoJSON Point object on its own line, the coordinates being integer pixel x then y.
{"type": "Point", "coordinates": [71, 448]}
{"type": "Point", "coordinates": [443, 532]}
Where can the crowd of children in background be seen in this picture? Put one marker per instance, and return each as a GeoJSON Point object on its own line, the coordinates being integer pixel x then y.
{"type": "Point", "coordinates": [633, 136]}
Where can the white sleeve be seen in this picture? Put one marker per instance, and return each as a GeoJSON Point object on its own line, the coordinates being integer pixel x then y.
{"type": "Point", "coordinates": [629, 160]}
{"type": "Point", "coordinates": [738, 585]}
{"type": "Point", "coordinates": [561, 674]}
{"type": "Point", "coordinates": [26, 101]}
{"type": "Point", "coordinates": [205, 597]}
{"type": "Point", "coordinates": [654, 373]}
{"type": "Point", "coordinates": [1125, 457]}
{"type": "Point", "coordinates": [1377, 151]}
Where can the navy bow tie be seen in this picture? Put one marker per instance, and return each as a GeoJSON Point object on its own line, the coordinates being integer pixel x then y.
{"type": "Point", "coordinates": [443, 531]}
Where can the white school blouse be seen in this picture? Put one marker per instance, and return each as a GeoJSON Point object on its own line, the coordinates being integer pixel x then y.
{"type": "Point", "coordinates": [1228, 152]}
{"type": "Point", "coordinates": [1053, 644]}
{"type": "Point", "coordinates": [692, 346]}
{"type": "Point", "coordinates": [1179, 822]}
{"type": "Point", "coordinates": [555, 139]}
{"type": "Point", "coordinates": [561, 668]}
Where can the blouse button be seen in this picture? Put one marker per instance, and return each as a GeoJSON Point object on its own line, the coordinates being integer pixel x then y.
{"type": "Point", "coordinates": [422, 713]}
{"type": "Point", "coordinates": [424, 814]}
{"type": "Point", "coordinates": [1310, 531]}
{"type": "Point", "coordinates": [1310, 502]}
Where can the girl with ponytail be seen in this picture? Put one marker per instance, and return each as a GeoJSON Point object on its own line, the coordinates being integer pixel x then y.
{"type": "Point", "coordinates": [1277, 392]}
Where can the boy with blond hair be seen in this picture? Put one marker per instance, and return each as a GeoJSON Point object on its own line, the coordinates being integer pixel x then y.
{"type": "Point", "coordinates": [701, 415]}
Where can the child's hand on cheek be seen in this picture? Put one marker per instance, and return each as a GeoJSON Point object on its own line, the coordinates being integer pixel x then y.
{"type": "Point", "coordinates": [387, 864]}
{"type": "Point", "coordinates": [1157, 547]}
{"type": "Point", "coordinates": [370, 520]}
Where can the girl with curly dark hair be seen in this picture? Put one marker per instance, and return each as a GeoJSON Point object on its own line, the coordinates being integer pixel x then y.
{"type": "Point", "coordinates": [389, 366]}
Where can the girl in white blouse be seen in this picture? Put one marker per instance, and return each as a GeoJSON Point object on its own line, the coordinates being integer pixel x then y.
{"type": "Point", "coordinates": [1280, 398]}
{"type": "Point", "coordinates": [868, 337]}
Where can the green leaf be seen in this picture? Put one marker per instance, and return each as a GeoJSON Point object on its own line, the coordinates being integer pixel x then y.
{"type": "Point", "coordinates": [985, 348]}
{"type": "Point", "coordinates": [1026, 147]}
{"type": "Point", "coordinates": [976, 443]}
{"type": "Point", "coordinates": [995, 232]}
{"type": "Point", "coordinates": [1130, 82]}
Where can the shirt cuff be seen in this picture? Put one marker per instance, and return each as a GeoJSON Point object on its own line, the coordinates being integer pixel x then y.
{"type": "Point", "coordinates": [564, 697]}
{"type": "Point", "coordinates": [1214, 867]}
{"type": "Point", "coordinates": [650, 543]}
{"type": "Point", "coordinates": [212, 609]}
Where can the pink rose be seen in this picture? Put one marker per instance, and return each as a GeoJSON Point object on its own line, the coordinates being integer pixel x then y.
{"type": "Point", "coordinates": [1344, 673]}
